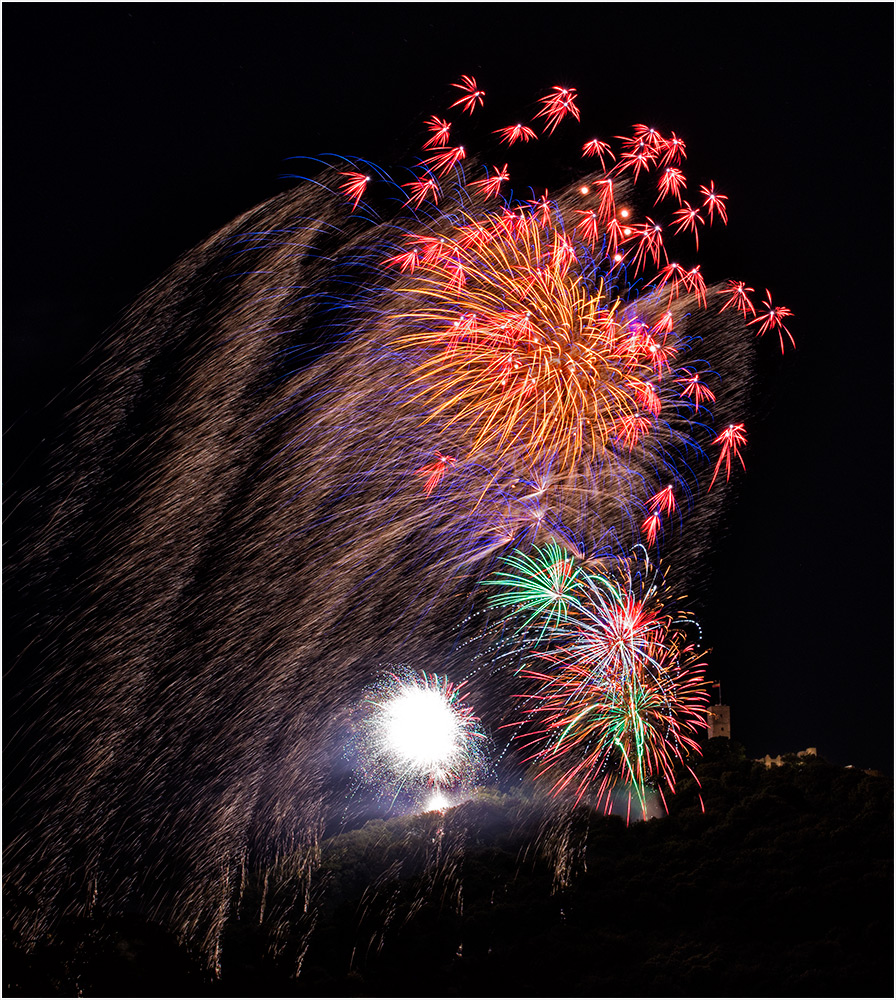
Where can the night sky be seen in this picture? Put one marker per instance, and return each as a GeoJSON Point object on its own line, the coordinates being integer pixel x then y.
{"type": "Point", "coordinates": [132, 131]}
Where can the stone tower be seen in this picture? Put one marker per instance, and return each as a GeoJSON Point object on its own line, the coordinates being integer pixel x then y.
{"type": "Point", "coordinates": [718, 722]}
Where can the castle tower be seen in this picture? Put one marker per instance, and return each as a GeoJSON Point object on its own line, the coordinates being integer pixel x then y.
{"type": "Point", "coordinates": [718, 722]}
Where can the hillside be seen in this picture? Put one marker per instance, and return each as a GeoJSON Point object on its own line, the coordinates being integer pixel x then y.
{"type": "Point", "coordinates": [783, 887]}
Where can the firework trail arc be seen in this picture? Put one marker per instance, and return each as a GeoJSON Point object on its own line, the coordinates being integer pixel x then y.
{"type": "Point", "coordinates": [319, 443]}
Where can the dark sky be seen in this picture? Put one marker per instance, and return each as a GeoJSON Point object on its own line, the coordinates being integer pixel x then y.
{"type": "Point", "coordinates": [134, 130]}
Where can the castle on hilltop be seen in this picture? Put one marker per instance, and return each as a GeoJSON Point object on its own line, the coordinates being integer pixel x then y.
{"type": "Point", "coordinates": [718, 722]}
{"type": "Point", "coordinates": [718, 725]}
{"type": "Point", "coordinates": [770, 761]}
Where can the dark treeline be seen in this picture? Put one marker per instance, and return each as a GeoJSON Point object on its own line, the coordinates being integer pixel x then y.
{"type": "Point", "coordinates": [781, 888]}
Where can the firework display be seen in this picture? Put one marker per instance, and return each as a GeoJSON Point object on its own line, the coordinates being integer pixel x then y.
{"type": "Point", "coordinates": [620, 694]}
{"type": "Point", "coordinates": [426, 420]}
{"type": "Point", "coordinates": [554, 342]}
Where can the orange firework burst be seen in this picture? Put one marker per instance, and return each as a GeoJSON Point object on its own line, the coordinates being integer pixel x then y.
{"type": "Point", "coordinates": [513, 344]}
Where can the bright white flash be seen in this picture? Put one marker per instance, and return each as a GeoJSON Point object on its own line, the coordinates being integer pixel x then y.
{"type": "Point", "coordinates": [437, 802]}
{"type": "Point", "coordinates": [418, 734]}
{"type": "Point", "coordinates": [422, 728]}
